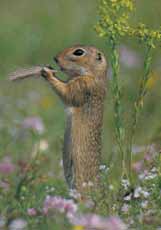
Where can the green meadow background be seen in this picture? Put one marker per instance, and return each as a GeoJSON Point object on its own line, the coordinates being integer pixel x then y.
{"type": "Point", "coordinates": [31, 33]}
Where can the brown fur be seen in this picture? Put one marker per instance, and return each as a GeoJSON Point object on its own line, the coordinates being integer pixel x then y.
{"type": "Point", "coordinates": [83, 94]}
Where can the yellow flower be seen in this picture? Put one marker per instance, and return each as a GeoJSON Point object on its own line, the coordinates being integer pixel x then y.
{"type": "Point", "coordinates": [114, 22]}
{"type": "Point", "coordinates": [46, 102]}
{"type": "Point", "coordinates": [78, 227]}
{"type": "Point", "coordinates": [113, 18]}
{"type": "Point", "coordinates": [152, 80]}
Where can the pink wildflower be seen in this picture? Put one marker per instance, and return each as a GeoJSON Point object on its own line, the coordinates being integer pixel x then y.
{"type": "Point", "coordinates": [148, 157]}
{"type": "Point", "coordinates": [129, 58]}
{"type": "Point", "coordinates": [56, 203]}
{"type": "Point", "coordinates": [137, 166]}
{"type": "Point", "coordinates": [34, 123]}
{"type": "Point", "coordinates": [6, 166]}
{"type": "Point", "coordinates": [93, 221]}
{"type": "Point", "coordinates": [4, 185]}
{"type": "Point", "coordinates": [31, 212]}
{"type": "Point", "coordinates": [115, 223]}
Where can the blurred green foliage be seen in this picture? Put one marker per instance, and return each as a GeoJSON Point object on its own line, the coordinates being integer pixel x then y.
{"type": "Point", "coordinates": [31, 33]}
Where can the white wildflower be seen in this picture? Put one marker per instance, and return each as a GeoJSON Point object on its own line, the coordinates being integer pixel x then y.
{"type": "Point", "coordinates": [150, 176]}
{"type": "Point", "coordinates": [141, 176]}
{"type": "Point", "coordinates": [137, 192]}
{"type": "Point", "coordinates": [145, 193]}
{"type": "Point", "coordinates": [102, 167]}
{"type": "Point", "coordinates": [125, 183]}
{"type": "Point", "coordinates": [18, 224]}
{"type": "Point", "coordinates": [140, 191]}
{"type": "Point", "coordinates": [111, 187]}
{"type": "Point", "coordinates": [154, 169]}
{"type": "Point", "coordinates": [127, 198]}
{"type": "Point", "coordinates": [52, 189]}
{"type": "Point", "coordinates": [125, 208]}
{"type": "Point", "coordinates": [43, 145]}
{"type": "Point", "coordinates": [74, 194]}
{"type": "Point", "coordinates": [144, 204]}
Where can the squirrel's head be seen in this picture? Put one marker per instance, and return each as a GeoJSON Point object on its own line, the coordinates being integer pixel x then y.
{"type": "Point", "coordinates": [82, 60]}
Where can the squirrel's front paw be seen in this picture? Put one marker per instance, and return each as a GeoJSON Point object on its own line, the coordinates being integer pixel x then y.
{"type": "Point", "coordinates": [47, 71]}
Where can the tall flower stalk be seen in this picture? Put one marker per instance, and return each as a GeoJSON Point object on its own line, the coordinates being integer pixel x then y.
{"type": "Point", "coordinates": [117, 106]}
{"type": "Point", "coordinates": [149, 38]}
{"type": "Point", "coordinates": [138, 105]}
{"type": "Point", "coordinates": [113, 24]}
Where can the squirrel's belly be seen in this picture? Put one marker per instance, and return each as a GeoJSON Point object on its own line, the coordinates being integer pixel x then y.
{"type": "Point", "coordinates": [82, 148]}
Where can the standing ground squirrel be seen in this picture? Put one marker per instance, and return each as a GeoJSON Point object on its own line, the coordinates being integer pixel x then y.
{"type": "Point", "coordinates": [83, 95]}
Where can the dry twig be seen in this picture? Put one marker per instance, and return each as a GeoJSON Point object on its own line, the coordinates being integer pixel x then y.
{"type": "Point", "coordinates": [34, 71]}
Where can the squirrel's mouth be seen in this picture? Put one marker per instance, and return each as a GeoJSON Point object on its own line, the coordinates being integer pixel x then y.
{"type": "Point", "coordinates": [57, 63]}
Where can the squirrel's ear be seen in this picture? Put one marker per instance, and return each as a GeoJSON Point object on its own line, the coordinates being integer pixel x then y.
{"type": "Point", "coordinates": [99, 57]}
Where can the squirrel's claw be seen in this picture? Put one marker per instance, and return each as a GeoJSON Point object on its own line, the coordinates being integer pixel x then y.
{"type": "Point", "coordinates": [44, 72]}
{"type": "Point", "coordinates": [47, 71]}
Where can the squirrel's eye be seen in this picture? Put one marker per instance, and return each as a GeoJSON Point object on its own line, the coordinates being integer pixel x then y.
{"type": "Point", "coordinates": [78, 52]}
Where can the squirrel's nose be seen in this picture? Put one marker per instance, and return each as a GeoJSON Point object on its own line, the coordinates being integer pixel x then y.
{"type": "Point", "coordinates": [55, 59]}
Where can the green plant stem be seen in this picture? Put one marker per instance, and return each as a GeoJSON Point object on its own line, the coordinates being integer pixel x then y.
{"type": "Point", "coordinates": [139, 104]}
{"type": "Point", "coordinates": [116, 93]}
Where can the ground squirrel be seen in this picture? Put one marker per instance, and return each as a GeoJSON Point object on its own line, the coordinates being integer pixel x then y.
{"type": "Point", "coordinates": [83, 95]}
